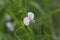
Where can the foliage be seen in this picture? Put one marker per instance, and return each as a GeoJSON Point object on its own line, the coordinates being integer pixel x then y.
{"type": "Point", "coordinates": [47, 19]}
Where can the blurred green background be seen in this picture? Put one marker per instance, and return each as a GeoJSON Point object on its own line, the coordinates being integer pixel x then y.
{"type": "Point", "coordinates": [47, 19]}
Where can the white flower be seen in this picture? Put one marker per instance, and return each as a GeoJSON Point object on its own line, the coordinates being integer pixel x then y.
{"type": "Point", "coordinates": [7, 17]}
{"type": "Point", "coordinates": [9, 26]}
{"type": "Point", "coordinates": [26, 21]}
{"type": "Point", "coordinates": [29, 19]}
{"type": "Point", "coordinates": [31, 15]}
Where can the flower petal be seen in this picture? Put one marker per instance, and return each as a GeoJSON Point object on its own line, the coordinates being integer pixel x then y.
{"type": "Point", "coordinates": [26, 21]}
{"type": "Point", "coordinates": [31, 15]}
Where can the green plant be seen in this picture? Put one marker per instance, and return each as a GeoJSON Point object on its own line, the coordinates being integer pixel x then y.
{"type": "Point", "coordinates": [47, 19]}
